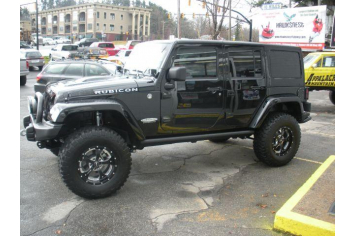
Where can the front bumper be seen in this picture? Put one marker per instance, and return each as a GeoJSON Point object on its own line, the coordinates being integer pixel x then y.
{"type": "Point", "coordinates": [40, 131]}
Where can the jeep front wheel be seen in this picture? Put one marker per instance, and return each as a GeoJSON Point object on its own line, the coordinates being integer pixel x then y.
{"type": "Point", "coordinates": [95, 162]}
{"type": "Point", "coordinates": [278, 139]}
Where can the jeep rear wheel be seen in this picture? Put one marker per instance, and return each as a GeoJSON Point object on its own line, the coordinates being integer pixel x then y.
{"type": "Point", "coordinates": [278, 139]}
{"type": "Point", "coordinates": [95, 162]}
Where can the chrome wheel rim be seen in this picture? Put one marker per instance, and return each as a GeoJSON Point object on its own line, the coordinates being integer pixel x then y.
{"type": "Point", "coordinates": [97, 165]}
{"type": "Point", "coordinates": [282, 141]}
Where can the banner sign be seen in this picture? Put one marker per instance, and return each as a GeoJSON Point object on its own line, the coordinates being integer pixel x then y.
{"type": "Point", "coordinates": [303, 27]}
{"type": "Point", "coordinates": [333, 38]}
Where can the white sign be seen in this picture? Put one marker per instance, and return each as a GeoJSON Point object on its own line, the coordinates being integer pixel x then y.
{"type": "Point", "coordinates": [303, 27]}
{"type": "Point", "coordinates": [272, 6]}
{"type": "Point", "coordinates": [90, 13]}
{"type": "Point", "coordinates": [49, 19]}
{"type": "Point", "coordinates": [61, 17]}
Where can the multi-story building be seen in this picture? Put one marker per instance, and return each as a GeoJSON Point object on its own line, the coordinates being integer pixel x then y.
{"type": "Point", "coordinates": [97, 20]}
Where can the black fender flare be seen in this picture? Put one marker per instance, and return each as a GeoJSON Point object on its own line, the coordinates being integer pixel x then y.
{"type": "Point", "coordinates": [270, 102]}
{"type": "Point", "coordinates": [62, 110]}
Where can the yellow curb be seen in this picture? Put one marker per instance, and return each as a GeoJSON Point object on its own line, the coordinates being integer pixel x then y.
{"type": "Point", "coordinates": [298, 224]}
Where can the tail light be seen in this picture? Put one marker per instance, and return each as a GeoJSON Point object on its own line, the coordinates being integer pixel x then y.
{"type": "Point", "coordinates": [41, 58]}
{"type": "Point", "coordinates": [27, 64]}
{"type": "Point", "coordinates": [307, 93]}
{"type": "Point", "coordinates": [39, 76]}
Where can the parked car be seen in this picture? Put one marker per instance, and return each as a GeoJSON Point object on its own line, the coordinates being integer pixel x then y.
{"type": "Point", "coordinates": [48, 41]}
{"type": "Point", "coordinates": [111, 50]}
{"type": "Point", "coordinates": [34, 40]}
{"type": "Point", "coordinates": [24, 45]}
{"type": "Point", "coordinates": [63, 51]}
{"type": "Point", "coordinates": [61, 40]}
{"type": "Point", "coordinates": [24, 69]}
{"type": "Point", "coordinates": [94, 53]}
{"type": "Point", "coordinates": [120, 58]}
{"type": "Point", "coordinates": [34, 58]}
{"type": "Point", "coordinates": [86, 42]}
{"type": "Point", "coordinates": [131, 44]}
{"type": "Point", "coordinates": [320, 72]}
{"type": "Point", "coordinates": [74, 69]}
{"type": "Point", "coordinates": [172, 92]}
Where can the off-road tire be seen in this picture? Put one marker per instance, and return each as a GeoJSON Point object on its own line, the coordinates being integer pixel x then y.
{"type": "Point", "coordinates": [219, 140]}
{"type": "Point", "coordinates": [263, 139]}
{"type": "Point", "coordinates": [72, 149]}
{"type": "Point", "coordinates": [332, 96]}
{"type": "Point", "coordinates": [23, 80]}
{"type": "Point", "coordinates": [55, 151]}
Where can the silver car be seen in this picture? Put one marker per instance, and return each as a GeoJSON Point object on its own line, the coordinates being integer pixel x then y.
{"type": "Point", "coordinates": [34, 58]}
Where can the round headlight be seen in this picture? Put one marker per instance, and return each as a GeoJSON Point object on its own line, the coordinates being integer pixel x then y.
{"type": "Point", "coordinates": [32, 105]}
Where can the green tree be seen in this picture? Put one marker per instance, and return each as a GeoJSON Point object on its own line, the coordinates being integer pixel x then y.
{"type": "Point", "coordinates": [24, 14]}
{"type": "Point", "coordinates": [238, 31]}
{"type": "Point", "coordinates": [50, 4]}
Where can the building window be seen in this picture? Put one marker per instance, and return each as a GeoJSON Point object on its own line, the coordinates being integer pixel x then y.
{"type": "Point", "coordinates": [113, 16]}
{"type": "Point", "coordinates": [111, 27]}
{"type": "Point", "coordinates": [98, 26]}
{"type": "Point", "coordinates": [104, 26]}
{"type": "Point", "coordinates": [105, 15]}
{"type": "Point", "coordinates": [89, 26]}
{"type": "Point", "coordinates": [98, 14]}
{"type": "Point", "coordinates": [121, 27]}
{"type": "Point", "coordinates": [121, 17]}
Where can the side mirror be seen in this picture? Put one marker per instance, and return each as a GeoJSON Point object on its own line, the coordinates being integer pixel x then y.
{"type": "Point", "coordinates": [120, 69]}
{"type": "Point", "coordinates": [177, 74]}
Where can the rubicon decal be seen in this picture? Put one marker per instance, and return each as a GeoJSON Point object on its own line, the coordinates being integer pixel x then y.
{"type": "Point", "coordinates": [112, 91]}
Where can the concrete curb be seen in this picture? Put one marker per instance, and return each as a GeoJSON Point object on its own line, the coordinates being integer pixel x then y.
{"type": "Point", "coordinates": [298, 224]}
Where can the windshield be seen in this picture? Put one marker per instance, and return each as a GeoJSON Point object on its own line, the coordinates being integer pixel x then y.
{"type": "Point", "coordinates": [70, 48]}
{"type": "Point", "coordinates": [146, 58]}
{"type": "Point", "coordinates": [310, 59]}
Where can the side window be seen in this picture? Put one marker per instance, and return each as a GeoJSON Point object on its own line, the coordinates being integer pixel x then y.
{"type": "Point", "coordinates": [55, 69]}
{"type": "Point", "coordinates": [248, 63]}
{"type": "Point", "coordinates": [319, 63]}
{"type": "Point", "coordinates": [199, 62]}
{"type": "Point", "coordinates": [75, 70]}
{"type": "Point", "coordinates": [94, 70]}
{"type": "Point", "coordinates": [285, 64]}
{"type": "Point", "coordinates": [328, 61]}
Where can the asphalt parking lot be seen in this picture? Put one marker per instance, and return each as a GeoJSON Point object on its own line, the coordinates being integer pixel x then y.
{"type": "Point", "coordinates": [180, 189]}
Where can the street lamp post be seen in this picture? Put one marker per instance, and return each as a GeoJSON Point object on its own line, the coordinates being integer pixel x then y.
{"type": "Point", "coordinates": [37, 43]}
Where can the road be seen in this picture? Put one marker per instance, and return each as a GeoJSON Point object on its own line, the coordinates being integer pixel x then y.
{"type": "Point", "coordinates": [179, 189]}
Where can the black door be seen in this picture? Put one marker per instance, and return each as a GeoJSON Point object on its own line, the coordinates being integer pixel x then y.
{"type": "Point", "coordinates": [245, 84]}
{"type": "Point", "coordinates": [195, 105]}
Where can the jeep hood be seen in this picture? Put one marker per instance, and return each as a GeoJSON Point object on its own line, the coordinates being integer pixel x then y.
{"type": "Point", "coordinates": [89, 87]}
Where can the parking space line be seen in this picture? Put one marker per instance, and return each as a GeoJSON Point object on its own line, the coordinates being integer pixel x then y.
{"type": "Point", "coordinates": [303, 159]}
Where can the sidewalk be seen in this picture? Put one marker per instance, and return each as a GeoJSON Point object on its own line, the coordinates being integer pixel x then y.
{"type": "Point", "coordinates": [307, 211]}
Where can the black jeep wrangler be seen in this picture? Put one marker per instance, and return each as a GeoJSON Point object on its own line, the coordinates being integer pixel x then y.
{"type": "Point", "coordinates": [170, 92]}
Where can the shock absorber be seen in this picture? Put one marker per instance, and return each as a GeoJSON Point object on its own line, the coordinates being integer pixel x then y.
{"type": "Point", "coordinates": [99, 120]}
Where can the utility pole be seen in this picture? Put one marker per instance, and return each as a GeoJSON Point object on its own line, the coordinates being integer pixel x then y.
{"type": "Point", "coordinates": [178, 19]}
{"type": "Point", "coordinates": [230, 20]}
{"type": "Point", "coordinates": [37, 43]}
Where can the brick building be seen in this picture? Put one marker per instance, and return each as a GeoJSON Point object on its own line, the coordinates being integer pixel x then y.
{"type": "Point", "coordinates": [96, 20]}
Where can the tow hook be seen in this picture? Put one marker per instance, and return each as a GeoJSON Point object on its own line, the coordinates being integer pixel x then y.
{"type": "Point", "coordinates": [23, 132]}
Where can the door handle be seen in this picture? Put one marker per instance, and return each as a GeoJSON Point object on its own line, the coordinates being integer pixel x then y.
{"type": "Point", "coordinates": [214, 89]}
{"type": "Point", "coordinates": [257, 87]}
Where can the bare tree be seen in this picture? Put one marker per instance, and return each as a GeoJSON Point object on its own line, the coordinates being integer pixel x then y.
{"type": "Point", "coordinates": [216, 9]}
